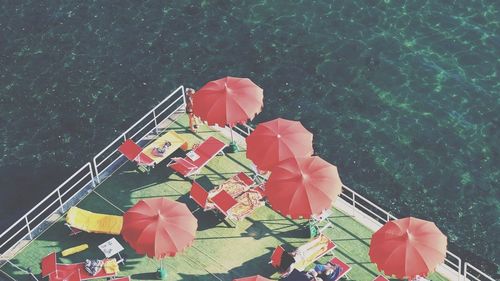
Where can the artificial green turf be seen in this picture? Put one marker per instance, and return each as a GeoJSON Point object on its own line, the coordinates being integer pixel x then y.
{"type": "Point", "coordinates": [220, 252]}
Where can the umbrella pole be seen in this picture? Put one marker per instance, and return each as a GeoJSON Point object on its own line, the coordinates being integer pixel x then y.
{"type": "Point", "coordinates": [162, 273]}
{"type": "Point", "coordinates": [233, 147]}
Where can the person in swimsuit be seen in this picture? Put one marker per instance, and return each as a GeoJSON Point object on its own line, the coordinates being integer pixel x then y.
{"type": "Point", "coordinates": [189, 110]}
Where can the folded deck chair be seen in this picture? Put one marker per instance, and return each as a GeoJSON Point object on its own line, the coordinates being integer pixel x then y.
{"type": "Point", "coordinates": [206, 151]}
{"type": "Point", "coordinates": [68, 272]}
{"type": "Point", "coordinates": [83, 220]}
{"type": "Point", "coordinates": [133, 152]}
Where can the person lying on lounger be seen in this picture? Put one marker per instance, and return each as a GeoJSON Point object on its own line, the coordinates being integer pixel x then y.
{"type": "Point", "coordinates": [327, 272]}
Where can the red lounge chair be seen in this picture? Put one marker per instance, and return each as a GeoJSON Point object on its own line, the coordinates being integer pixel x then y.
{"type": "Point", "coordinates": [244, 178]}
{"type": "Point", "coordinates": [276, 256]}
{"type": "Point", "coordinates": [68, 272]}
{"type": "Point", "coordinates": [345, 268]}
{"type": "Point", "coordinates": [133, 152]}
{"type": "Point", "coordinates": [199, 195]}
{"type": "Point", "coordinates": [223, 202]}
{"type": "Point", "coordinates": [380, 278]}
{"type": "Point", "coordinates": [205, 151]}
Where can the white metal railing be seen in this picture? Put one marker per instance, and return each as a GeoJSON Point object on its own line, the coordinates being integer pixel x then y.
{"type": "Point", "coordinates": [381, 216]}
{"type": "Point", "coordinates": [365, 206]}
{"type": "Point", "coordinates": [48, 206]}
{"type": "Point", "coordinates": [472, 273]}
{"type": "Point", "coordinates": [139, 130]}
{"type": "Point", "coordinates": [56, 201]}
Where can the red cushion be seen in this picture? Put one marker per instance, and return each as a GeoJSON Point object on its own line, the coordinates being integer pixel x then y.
{"type": "Point", "coordinates": [244, 178]}
{"type": "Point", "coordinates": [276, 256]}
{"type": "Point", "coordinates": [49, 264]}
{"type": "Point", "coordinates": [198, 194]}
{"type": "Point", "coordinates": [130, 149]}
{"type": "Point", "coordinates": [223, 201]}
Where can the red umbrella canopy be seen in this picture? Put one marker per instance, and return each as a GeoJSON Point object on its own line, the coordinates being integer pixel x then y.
{"type": "Point", "coordinates": [408, 247]}
{"type": "Point", "coordinates": [277, 140]}
{"type": "Point", "coordinates": [228, 101]}
{"type": "Point", "coordinates": [253, 278]}
{"type": "Point", "coordinates": [159, 227]}
{"type": "Point", "coordinates": [300, 187]}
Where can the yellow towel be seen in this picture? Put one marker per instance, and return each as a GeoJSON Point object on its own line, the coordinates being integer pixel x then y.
{"type": "Point", "coordinates": [74, 250]}
{"type": "Point", "coordinates": [111, 266]}
{"type": "Point", "coordinates": [94, 222]}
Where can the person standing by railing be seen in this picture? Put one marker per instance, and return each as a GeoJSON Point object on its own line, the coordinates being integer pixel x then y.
{"type": "Point", "coordinates": [189, 110]}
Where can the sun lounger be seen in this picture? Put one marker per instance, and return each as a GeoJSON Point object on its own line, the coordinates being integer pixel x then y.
{"type": "Point", "coordinates": [175, 141]}
{"type": "Point", "coordinates": [79, 219]}
{"type": "Point", "coordinates": [200, 156]}
{"type": "Point", "coordinates": [248, 202]}
{"type": "Point", "coordinates": [345, 268]}
{"type": "Point", "coordinates": [223, 202]}
{"type": "Point", "coordinates": [235, 185]}
{"type": "Point", "coordinates": [306, 254]}
{"type": "Point", "coordinates": [133, 152]}
{"type": "Point", "coordinates": [312, 251]}
{"type": "Point", "coordinates": [68, 272]}
{"type": "Point", "coordinates": [380, 278]}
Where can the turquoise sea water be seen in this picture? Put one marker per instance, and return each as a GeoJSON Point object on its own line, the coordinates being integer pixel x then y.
{"type": "Point", "coordinates": [404, 96]}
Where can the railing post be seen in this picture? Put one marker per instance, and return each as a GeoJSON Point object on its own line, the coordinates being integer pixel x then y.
{"type": "Point", "coordinates": [91, 174]}
{"type": "Point", "coordinates": [97, 179]}
{"type": "Point", "coordinates": [28, 225]}
{"type": "Point", "coordinates": [465, 271]}
{"type": "Point", "coordinates": [459, 270]}
{"type": "Point", "coordinates": [60, 200]}
{"type": "Point", "coordinates": [156, 123]}
{"type": "Point", "coordinates": [353, 204]}
{"type": "Point", "coordinates": [183, 97]}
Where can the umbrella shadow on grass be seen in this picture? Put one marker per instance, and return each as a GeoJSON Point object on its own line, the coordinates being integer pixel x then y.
{"type": "Point", "coordinates": [145, 276]}
{"type": "Point", "coordinates": [255, 266]}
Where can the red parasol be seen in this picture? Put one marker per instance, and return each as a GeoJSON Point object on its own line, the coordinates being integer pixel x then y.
{"type": "Point", "coordinates": [408, 247]}
{"type": "Point", "coordinates": [228, 101]}
{"type": "Point", "coordinates": [277, 140]}
{"type": "Point", "coordinates": [301, 187]}
{"type": "Point", "coordinates": [159, 227]}
{"type": "Point", "coordinates": [253, 278]}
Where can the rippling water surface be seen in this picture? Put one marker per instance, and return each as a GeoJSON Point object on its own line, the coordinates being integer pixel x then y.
{"type": "Point", "coordinates": [404, 96]}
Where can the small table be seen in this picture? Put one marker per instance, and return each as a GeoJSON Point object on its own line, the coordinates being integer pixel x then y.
{"type": "Point", "coordinates": [111, 248]}
{"type": "Point", "coordinates": [192, 155]}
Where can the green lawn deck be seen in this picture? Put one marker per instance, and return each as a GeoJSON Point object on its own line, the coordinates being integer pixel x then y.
{"type": "Point", "coordinates": [219, 252]}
